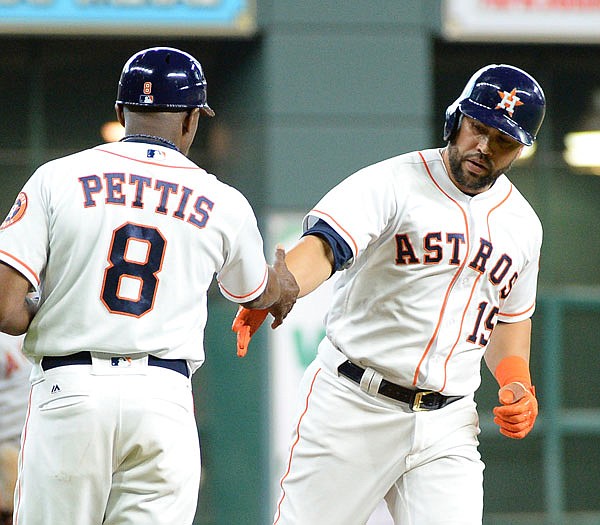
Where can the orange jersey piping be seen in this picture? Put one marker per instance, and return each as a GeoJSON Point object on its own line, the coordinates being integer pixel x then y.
{"type": "Point", "coordinates": [472, 292]}
{"type": "Point", "coordinates": [18, 488]}
{"type": "Point", "coordinates": [289, 465]}
{"type": "Point", "coordinates": [35, 275]}
{"type": "Point", "coordinates": [454, 279]}
{"type": "Point", "coordinates": [341, 228]}
{"type": "Point", "coordinates": [250, 293]}
{"type": "Point", "coordinates": [147, 161]}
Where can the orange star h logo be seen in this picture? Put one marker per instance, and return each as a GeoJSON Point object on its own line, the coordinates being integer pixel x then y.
{"type": "Point", "coordinates": [509, 101]}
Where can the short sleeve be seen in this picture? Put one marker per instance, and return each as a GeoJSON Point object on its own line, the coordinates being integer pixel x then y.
{"type": "Point", "coordinates": [27, 219]}
{"type": "Point", "coordinates": [245, 272]}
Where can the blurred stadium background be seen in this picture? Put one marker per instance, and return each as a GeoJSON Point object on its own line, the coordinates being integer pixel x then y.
{"type": "Point", "coordinates": [306, 93]}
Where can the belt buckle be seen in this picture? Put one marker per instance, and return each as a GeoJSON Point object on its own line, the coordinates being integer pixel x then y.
{"type": "Point", "coordinates": [417, 404]}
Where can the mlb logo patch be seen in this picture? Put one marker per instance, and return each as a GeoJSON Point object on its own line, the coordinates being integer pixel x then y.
{"type": "Point", "coordinates": [146, 99]}
{"type": "Point", "coordinates": [120, 361]}
{"type": "Point", "coordinates": [156, 154]}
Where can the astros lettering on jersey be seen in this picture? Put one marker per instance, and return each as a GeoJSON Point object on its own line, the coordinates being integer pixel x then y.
{"type": "Point", "coordinates": [453, 265]}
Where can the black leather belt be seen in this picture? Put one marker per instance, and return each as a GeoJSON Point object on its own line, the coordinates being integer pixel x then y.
{"type": "Point", "coordinates": [85, 358]}
{"type": "Point", "coordinates": [417, 400]}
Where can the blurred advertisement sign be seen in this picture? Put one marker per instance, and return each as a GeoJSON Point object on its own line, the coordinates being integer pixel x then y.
{"type": "Point", "coordinates": [521, 20]}
{"type": "Point", "coordinates": [129, 17]}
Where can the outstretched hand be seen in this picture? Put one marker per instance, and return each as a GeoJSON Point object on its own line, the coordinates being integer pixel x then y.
{"type": "Point", "coordinates": [247, 321]}
{"type": "Point", "coordinates": [518, 411]}
{"type": "Point", "coordinates": [289, 289]}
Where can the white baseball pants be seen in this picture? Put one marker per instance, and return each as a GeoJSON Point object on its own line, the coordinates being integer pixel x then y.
{"type": "Point", "coordinates": [109, 445]}
{"type": "Point", "coordinates": [350, 450]}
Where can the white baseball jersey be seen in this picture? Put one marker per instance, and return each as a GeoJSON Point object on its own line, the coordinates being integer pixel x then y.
{"type": "Point", "coordinates": [14, 388]}
{"type": "Point", "coordinates": [124, 240]}
{"type": "Point", "coordinates": [433, 270]}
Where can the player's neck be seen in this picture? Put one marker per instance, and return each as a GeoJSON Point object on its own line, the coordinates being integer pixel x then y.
{"type": "Point", "coordinates": [152, 139]}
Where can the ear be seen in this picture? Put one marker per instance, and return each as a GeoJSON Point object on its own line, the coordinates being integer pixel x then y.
{"type": "Point", "coordinates": [190, 122]}
{"type": "Point", "coordinates": [520, 152]}
{"type": "Point", "coordinates": [189, 126]}
{"type": "Point", "coordinates": [120, 114]}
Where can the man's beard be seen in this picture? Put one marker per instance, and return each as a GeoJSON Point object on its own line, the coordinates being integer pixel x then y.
{"type": "Point", "coordinates": [472, 184]}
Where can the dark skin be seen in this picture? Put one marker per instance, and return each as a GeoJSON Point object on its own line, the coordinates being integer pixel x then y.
{"type": "Point", "coordinates": [15, 311]}
{"type": "Point", "coordinates": [179, 128]}
{"type": "Point", "coordinates": [281, 284]}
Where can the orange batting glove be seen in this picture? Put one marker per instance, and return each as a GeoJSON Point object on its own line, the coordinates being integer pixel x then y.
{"type": "Point", "coordinates": [245, 325]}
{"type": "Point", "coordinates": [519, 407]}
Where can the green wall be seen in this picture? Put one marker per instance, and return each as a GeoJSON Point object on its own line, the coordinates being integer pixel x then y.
{"type": "Point", "coordinates": [347, 84]}
{"type": "Point", "coordinates": [231, 395]}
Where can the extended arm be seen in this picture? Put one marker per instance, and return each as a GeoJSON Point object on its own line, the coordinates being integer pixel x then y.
{"type": "Point", "coordinates": [16, 311]}
{"type": "Point", "coordinates": [281, 291]}
{"type": "Point", "coordinates": [310, 263]}
{"type": "Point", "coordinates": [508, 339]}
{"type": "Point", "coordinates": [507, 357]}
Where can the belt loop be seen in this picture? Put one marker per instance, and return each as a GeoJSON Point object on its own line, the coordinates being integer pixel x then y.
{"type": "Point", "coordinates": [370, 381]}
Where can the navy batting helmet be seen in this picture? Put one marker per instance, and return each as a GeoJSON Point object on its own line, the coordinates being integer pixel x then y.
{"type": "Point", "coordinates": [164, 79]}
{"type": "Point", "coordinates": [502, 97]}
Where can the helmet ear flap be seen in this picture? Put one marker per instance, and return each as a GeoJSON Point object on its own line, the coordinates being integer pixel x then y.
{"type": "Point", "coordinates": [453, 122]}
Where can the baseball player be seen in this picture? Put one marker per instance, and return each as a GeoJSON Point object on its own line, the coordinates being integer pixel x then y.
{"type": "Point", "coordinates": [440, 254]}
{"type": "Point", "coordinates": [14, 393]}
{"type": "Point", "coordinates": [123, 241]}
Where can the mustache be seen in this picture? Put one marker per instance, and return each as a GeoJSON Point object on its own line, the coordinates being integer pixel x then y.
{"type": "Point", "coordinates": [480, 159]}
